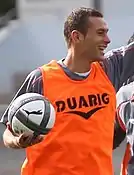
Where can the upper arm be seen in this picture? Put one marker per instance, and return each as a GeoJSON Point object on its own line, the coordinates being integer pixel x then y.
{"type": "Point", "coordinates": [32, 83]}
{"type": "Point", "coordinates": [119, 66]}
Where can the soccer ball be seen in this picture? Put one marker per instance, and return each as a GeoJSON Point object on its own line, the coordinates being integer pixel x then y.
{"type": "Point", "coordinates": [31, 113]}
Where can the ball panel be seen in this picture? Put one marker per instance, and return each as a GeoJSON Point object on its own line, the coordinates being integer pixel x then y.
{"type": "Point", "coordinates": [20, 115]}
{"type": "Point", "coordinates": [34, 111]}
{"type": "Point", "coordinates": [18, 127]}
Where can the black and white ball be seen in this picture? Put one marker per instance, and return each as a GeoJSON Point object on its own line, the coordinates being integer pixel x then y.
{"type": "Point", "coordinates": [31, 113]}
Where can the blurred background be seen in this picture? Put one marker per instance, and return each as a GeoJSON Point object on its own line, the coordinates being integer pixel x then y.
{"type": "Point", "coordinates": [31, 34]}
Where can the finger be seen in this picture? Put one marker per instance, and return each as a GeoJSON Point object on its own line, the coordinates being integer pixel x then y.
{"type": "Point", "coordinates": [25, 140]}
{"type": "Point", "coordinates": [24, 136]}
{"type": "Point", "coordinates": [38, 139]}
{"type": "Point", "coordinates": [16, 143]}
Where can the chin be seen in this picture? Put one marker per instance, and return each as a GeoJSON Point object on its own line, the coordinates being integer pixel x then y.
{"type": "Point", "coordinates": [100, 58]}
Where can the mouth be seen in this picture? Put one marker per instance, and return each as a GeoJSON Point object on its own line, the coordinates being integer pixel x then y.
{"type": "Point", "coordinates": [102, 49]}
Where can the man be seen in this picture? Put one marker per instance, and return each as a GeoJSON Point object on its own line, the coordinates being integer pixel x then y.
{"type": "Point", "coordinates": [81, 87]}
{"type": "Point", "coordinates": [125, 120]}
{"type": "Point", "coordinates": [119, 134]}
{"type": "Point", "coordinates": [124, 124]}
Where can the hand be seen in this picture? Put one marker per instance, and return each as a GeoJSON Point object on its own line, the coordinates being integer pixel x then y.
{"type": "Point", "coordinates": [25, 140]}
{"type": "Point", "coordinates": [21, 141]}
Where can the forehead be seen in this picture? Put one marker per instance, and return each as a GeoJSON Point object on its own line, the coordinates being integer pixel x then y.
{"type": "Point", "coordinates": [98, 23]}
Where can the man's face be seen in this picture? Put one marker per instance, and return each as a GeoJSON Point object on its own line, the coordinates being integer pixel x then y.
{"type": "Point", "coordinates": [96, 40]}
{"type": "Point", "coordinates": [92, 45]}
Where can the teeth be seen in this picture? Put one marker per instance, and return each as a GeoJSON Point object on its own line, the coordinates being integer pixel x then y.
{"type": "Point", "coordinates": [101, 48]}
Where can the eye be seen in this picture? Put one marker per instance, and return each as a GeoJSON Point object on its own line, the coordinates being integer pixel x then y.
{"type": "Point", "coordinates": [100, 32]}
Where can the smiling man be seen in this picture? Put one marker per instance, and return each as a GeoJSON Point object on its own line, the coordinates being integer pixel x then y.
{"type": "Point", "coordinates": [82, 88]}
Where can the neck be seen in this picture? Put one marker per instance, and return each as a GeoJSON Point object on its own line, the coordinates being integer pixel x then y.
{"type": "Point", "coordinates": [76, 62]}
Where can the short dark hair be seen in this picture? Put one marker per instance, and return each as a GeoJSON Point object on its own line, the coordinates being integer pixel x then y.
{"type": "Point", "coordinates": [78, 20]}
{"type": "Point", "coordinates": [131, 39]}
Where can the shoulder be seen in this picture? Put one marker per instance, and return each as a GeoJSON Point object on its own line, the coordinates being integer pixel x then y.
{"type": "Point", "coordinates": [121, 51]}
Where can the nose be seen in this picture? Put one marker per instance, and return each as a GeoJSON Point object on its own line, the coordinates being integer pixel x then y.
{"type": "Point", "coordinates": [107, 39]}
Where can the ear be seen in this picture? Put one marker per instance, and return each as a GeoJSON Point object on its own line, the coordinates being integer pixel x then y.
{"type": "Point", "coordinates": [76, 36]}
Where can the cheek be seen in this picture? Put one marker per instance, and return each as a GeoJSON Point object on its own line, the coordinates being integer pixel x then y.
{"type": "Point", "coordinates": [100, 39]}
{"type": "Point", "coordinates": [89, 42]}
{"type": "Point", "coordinates": [92, 45]}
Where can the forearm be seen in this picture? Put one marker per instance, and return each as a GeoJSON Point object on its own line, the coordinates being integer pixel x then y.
{"type": "Point", "coordinates": [119, 136]}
